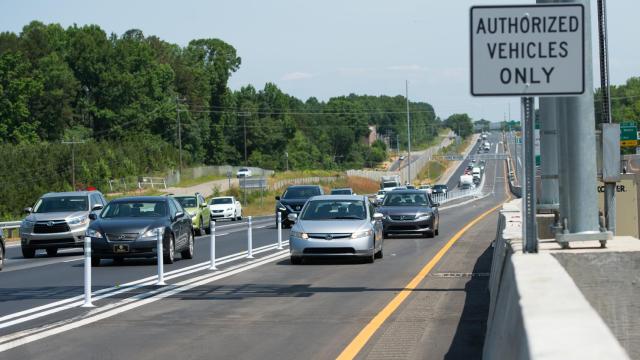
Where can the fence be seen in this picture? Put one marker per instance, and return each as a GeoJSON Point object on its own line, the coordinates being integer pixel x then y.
{"type": "Point", "coordinates": [458, 193]}
{"type": "Point", "coordinates": [10, 226]}
{"type": "Point", "coordinates": [301, 181]}
{"type": "Point", "coordinates": [175, 176]}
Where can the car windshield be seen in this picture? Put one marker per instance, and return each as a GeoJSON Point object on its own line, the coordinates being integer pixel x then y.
{"type": "Point", "coordinates": [389, 184]}
{"type": "Point", "coordinates": [187, 201]}
{"type": "Point", "coordinates": [381, 192]}
{"type": "Point", "coordinates": [335, 210]}
{"type": "Point", "coordinates": [61, 204]}
{"type": "Point", "coordinates": [440, 187]}
{"type": "Point", "coordinates": [301, 193]}
{"type": "Point", "coordinates": [341, 192]}
{"type": "Point", "coordinates": [406, 199]}
{"type": "Point", "coordinates": [217, 201]}
{"type": "Point", "coordinates": [243, 169]}
{"type": "Point", "coordinates": [127, 209]}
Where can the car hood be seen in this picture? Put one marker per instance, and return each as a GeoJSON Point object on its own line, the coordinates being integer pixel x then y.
{"type": "Point", "coordinates": [331, 226]}
{"type": "Point", "coordinates": [127, 225]}
{"type": "Point", "coordinates": [221, 206]}
{"type": "Point", "coordinates": [404, 210]}
{"type": "Point", "coordinates": [55, 215]}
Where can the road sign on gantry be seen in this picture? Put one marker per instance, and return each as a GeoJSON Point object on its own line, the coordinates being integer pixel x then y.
{"type": "Point", "coordinates": [528, 50]}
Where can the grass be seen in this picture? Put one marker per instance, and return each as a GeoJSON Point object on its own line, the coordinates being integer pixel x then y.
{"type": "Point", "coordinates": [200, 180]}
{"type": "Point", "coordinates": [284, 175]}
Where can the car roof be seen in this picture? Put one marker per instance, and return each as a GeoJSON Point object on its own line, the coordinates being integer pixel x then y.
{"type": "Point", "coordinates": [302, 186]}
{"type": "Point", "coordinates": [341, 189]}
{"type": "Point", "coordinates": [337, 197]}
{"type": "Point", "coordinates": [407, 191]}
{"type": "Point", "coordinates": [222, 197]}
{"type": "Point", "coordinates": [141, 198]}
{"type": "Point", "coordinates": [71, 193]}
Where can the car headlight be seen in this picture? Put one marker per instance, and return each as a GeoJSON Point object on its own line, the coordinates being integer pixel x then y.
{"type": "Point", "coordinates": [423, 216]}
{"type": "Point", "coordinates": [363, 233]}
{"type": "Point", "coordinates": [153, 233]}
{"type": "Point", "coordinates": [80, 220]}
{"type": "Point", "coordinates": [27, 224]}
{"type": "Point", "coordinates": [229, 209]}
{"type": "Point", "coordinates": [94, 233]}
{"type": "Point", "coordinates": [301, 235]}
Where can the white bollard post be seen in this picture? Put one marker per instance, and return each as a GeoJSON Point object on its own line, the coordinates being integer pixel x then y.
{"type": "Point", "coordinates": [249, 241]}
{"type": "Point", "coordinates": [87, 273]}
{"type": "Point", "coordinates": [213, 246]}
{"type": "Point", "coordinates": [160, 255]}
{"type": "Point", "coordinates": [279, 231]}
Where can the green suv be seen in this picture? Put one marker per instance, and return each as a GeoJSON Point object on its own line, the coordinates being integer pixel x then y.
{"type": "Point", "coordinates": [197, 209]}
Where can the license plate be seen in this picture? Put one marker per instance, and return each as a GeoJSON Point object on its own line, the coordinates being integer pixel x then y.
{"type": "Point", "coordinates": [120, 248]}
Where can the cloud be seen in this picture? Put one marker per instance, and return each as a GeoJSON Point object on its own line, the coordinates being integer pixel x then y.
{"type": "Point", "coordinates": [411, 67]}
{"type": "Point", "coordinates": [296, 75]}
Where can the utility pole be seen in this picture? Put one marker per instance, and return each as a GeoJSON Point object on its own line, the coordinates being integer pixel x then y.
{"type": "Point", "coordinates": [286, 156]}
{"type": "Point", "coordinates": [609, 186]}
{"type": "Point", "coordinates": [73, 142]}
{"type": "Point", "coordinates": [397, 145]}
{"type": "Point", "coordinates": [406, 86]}
{"type": "Point", "coordinates": [179, 131]}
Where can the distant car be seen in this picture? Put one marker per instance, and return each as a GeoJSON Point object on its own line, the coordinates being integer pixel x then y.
{"type": "Point", "coordinates": [343, 191]}
{"type": "Point", "coordinates": [225, 207]}
{"type": "Point", "coordinates": [380, 196]}
{"type": "Point", "coordinates": [58, 220]}
{"type": "Point", "coordinates": [440, 189]}
{"type": "Point", "coordinates": [198, 211]}
{"type": "Point", "coordinates": [410, 212]}
{"type": "Point", "coordinates": [293, 199]}
{"type": "Point", "coordinates": [2, 250]}
{"type": "Point", "coordinates": [130, 227]}
{"type": "Point", "coordinates": [336, 226]}
{"type": "Point", "coordinates": [426, 188]}
{"type": "Point", "coordinates": [243, 172]}
{"type": "Point", "coordinates": [402, 158]}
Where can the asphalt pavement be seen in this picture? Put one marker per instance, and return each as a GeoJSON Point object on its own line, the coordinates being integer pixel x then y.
{"type": "Point", "coordinates": [258, 308]}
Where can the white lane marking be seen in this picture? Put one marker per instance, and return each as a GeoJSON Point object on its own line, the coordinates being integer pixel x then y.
{"type": "Point", "coordinates": [70, 260]}
{"type": "Point", "coordinates": [223, 234]}
{"type": "Point", "coordinates": [260, 227]}
{"type": "Point", "coordinates": [31, 335]}
{"type": "Point", "coordinates": [58, 305]}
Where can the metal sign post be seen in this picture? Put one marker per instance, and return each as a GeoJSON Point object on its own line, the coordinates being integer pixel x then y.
{"type": "Point", "coordinates": [87, 272]}
{"type": "Point", "coordinates": [212, 224]}
{"type": "Point", "coordinates": [529, 189]}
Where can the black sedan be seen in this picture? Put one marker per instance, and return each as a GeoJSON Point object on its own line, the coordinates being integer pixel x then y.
{"type": "Point", "coordinates": [130, 228]}
{"type": "Point", "coordinates": [409, 212]}
{"type": "Point", "coordinates": [294, 199]}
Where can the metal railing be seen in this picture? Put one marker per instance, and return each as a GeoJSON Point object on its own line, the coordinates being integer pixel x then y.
{"type": "Point", "coordinates": [458, 193]}
{"type": "Point", "coordinates": [10, 226]}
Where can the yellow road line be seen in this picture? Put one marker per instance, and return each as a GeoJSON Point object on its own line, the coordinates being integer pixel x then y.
{"type": "Point", "coordinates": [367, 332]}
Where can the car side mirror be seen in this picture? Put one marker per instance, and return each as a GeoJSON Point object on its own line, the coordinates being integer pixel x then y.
{"type": "Point", "coordinates": [97, 207]}
{"type": "Point", "coordinates": [277, 197]}
{"type": "Point", "coordinates": [28, 210]}
{"type": "Point", "coordinates": [292, 217]}
{"type": "Point", "coordinates": [378, 216]}
{"type": "Point", "coordinates": [93, 216]}
{"type": "Point", "coordinates": [179, 215]}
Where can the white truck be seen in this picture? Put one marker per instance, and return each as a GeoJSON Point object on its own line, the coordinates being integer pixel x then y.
{"type": "Point", "coordinates": [225, 207]}
{"type": "Point", "coordinates": [466, 182]}
{"type": "Point", "coordinates": [389, 182]}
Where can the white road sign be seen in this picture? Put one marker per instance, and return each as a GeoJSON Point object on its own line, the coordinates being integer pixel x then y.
{"type": "Point", "coordinates": [527, 50]}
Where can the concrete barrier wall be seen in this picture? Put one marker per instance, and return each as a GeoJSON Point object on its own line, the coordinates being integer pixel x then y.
{"type": "Point", "coordinates": [537, 311]}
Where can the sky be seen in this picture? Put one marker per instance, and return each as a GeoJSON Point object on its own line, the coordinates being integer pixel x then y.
{"type": "Point", "coordinates": [333, 47]}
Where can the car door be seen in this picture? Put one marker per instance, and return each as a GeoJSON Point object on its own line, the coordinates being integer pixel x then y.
{"type": "Point", "coordinates": [185, 224]}
{"type": "Point", "coordinates": [176, 224]}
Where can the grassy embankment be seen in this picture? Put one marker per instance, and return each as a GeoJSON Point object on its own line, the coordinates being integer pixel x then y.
{"type": "Point", "coordinates": [436, 168]}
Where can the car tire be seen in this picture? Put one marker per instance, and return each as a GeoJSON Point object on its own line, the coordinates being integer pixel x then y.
{"type": "Point", "coordinates": [170, 256]}
{"type": "Point", "coordinates": [52, 251]}
{"type": "Point", "coordinates": [235, 216]}
{"type": "Point", "coordinates": [240, 217]}
{"type": "Point", "coordinates": [370, 259]}
{"type": "Point", "coordinates": [437, 232]}
{"type": "Point", "coordinates": [118, 260]}
{"type": "Point", "coordinates": [95, 261]}
{"type": "Point", "coordinates": [296, 260]}
{"type": "Point", "coordinates": [28, 252]}
{"type": "Point", "coordinates": [379, 254]}
{"type": "Point", "coordinates": [188, 252]}
{"type": "Point", "coordinates": [429, 234]}
{"type": "Point", "coordinates": [207, 230]}
{"type": "Point", "coordinates": [1, 257]}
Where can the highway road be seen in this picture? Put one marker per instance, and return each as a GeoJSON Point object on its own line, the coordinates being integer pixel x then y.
{"type": "Point", "coordinates": [428, 298]}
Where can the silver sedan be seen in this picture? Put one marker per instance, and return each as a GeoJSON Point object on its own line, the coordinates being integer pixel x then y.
{"type": "Point", "coordinates": [341, 225]}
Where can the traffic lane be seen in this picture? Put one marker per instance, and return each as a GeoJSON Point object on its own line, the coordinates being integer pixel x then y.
{"type": "Point", "coordinates": [447, 318]}
{"type": "Point", "coordinates": [21, 290]}
{"type": "Point", "coordinates": [15, 260]}
{"type": "Point", "coordinates": [453, 180]}
{"type": "Point", "coordinates": [280, 310]}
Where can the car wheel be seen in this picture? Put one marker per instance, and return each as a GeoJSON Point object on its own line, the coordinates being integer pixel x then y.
{"type": "Point", "coordinates": [95, 261]}
{"type": "Point", "coordinates": [118, 260]}
{"type": "Point", "coordinates": [235, 216]}
{"type": "Point", "coordinates": [207, 230]}
{"type": "Point", "coordinates": [296, 260]}
{"type": "Point", "coordinates": [52, 251]}
{"type": "Point", "coordinates": [28, 252]}
{"type": "Point", "coordinates": [188, 252]}
{"type": "Point", "coordinates": [379, 254]}
{"type": "Point", "coordinates": [437, 231]}
{"type": "Point", "coordinates": [240, 217]}
{"type": "Point", "coordinates": [428, 234]}
{"type": "Point", "coordinates": [170, 256]}
{"type": "Point", "coordinates": [1, 257]}
{"type": "Point", "coordinates": [370, 259]}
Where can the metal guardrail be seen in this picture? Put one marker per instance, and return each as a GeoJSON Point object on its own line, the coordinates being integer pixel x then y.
{"type": "Point", "coordinates": [10, 226]}
{"type": "Point", "coordinates": [456, 194]}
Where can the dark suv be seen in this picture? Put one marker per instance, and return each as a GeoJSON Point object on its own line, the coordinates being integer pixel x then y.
{"type": "Point", "coordinates": [293, 199]}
